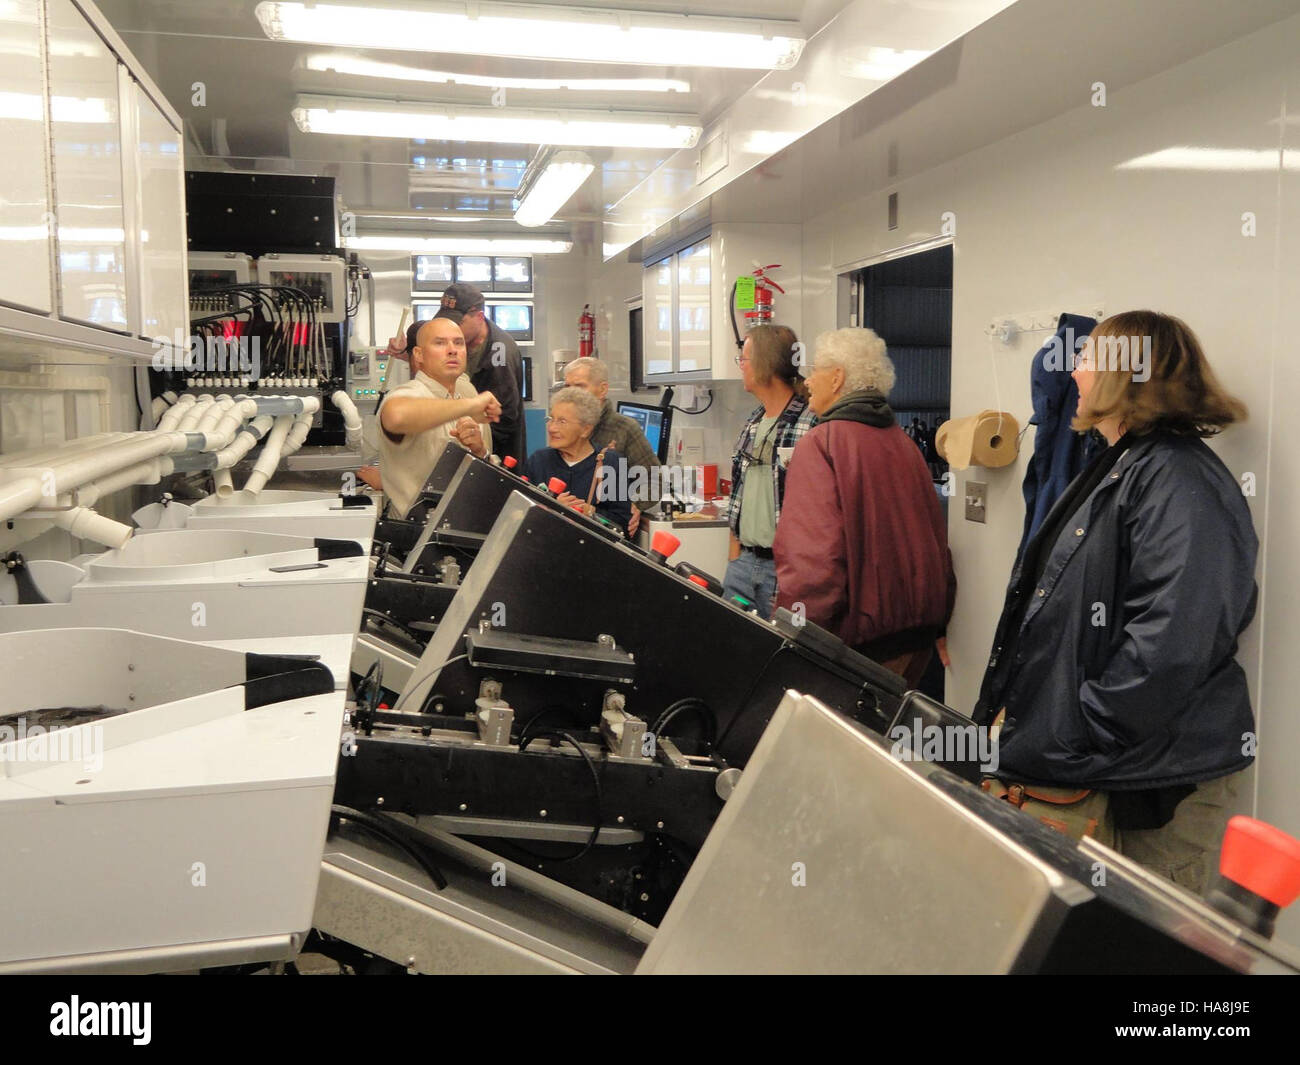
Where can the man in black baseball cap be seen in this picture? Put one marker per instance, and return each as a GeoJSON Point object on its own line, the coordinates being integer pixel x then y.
{"type": "Point", "coordinates": [494, 364]}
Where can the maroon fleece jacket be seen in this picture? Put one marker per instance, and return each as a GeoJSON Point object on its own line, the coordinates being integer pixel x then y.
{"type": "Point", "coordinates": [862, 541]}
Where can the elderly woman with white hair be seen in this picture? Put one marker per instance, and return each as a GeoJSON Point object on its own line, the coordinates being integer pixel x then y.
{"type": "Point", "coordinates": [862, 547]}
{"type": "Point", "coordinates": [590, 477]}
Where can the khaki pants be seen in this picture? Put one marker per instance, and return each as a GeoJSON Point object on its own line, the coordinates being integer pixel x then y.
{"type": "Point", "coordinates": [1185, 851]}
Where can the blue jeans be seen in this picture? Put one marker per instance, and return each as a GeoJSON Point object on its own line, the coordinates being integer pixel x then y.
{"type": "Point", "coordinates": [754, 578]}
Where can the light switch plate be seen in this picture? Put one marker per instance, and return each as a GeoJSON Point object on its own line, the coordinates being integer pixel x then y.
{"type": "Point", "coordinates": [976, 501]}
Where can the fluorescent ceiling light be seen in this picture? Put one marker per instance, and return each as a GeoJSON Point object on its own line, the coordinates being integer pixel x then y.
{"type": "Point", "coordinates": [503, 125]}
{"type": "Point", "coordinates": [520, 31]}
{"type": "Point", "coordinates": [1228, 159]}
{"type": "Point", "coordinates": [563, 175]}
{"type": "Point", "coordinates": [453, 245]}
{"type": "Point", "coordinates": [369, 68]}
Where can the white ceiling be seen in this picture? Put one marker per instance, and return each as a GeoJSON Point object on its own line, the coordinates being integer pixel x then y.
{"type": "Point", "coordinates": [1031, 63]}
{"type": "Point", "coordinates": [250, 82]}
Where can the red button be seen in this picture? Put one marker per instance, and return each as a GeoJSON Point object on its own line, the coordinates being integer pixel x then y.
{"type": "Point", "coordinates": [695, 578]}
{"type": "Point", "coordinates": [556, 485]}
{"type": "Point", "coordinates": [510, 462]}
{"type": "Point", "coordinates": [664, 543]}
{"type": "Point", "coordinates": [1262, 859]}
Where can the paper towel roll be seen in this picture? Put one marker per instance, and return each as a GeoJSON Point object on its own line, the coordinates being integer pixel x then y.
{"type": "Point", "coordinates": [989, 438]}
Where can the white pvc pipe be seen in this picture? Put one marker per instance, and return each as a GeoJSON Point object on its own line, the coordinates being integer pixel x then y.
{"type": "Point", "coordinates": [232, 418]}
{"type": "Point", "coordinates": [191, 417]}
{"type": "Point", "coordinates": [78, 470]}
{"type": "Point", "coordinates": [270, 456]}
{"type": "Point", "coordinates": [141, 473]}
{"type": "Point", "coordinates": [297, 434]}
{"type": "Point", "coordinates": [68, 447]}
{"type": "Point", "coordinates": [17, 497]}
{"type": "Point", "coordinates": [160, 404]}
{"type": "Point", "coordinates": [87, 525]}
{"type": "Point", "coordinates": [351, 417]}
{"type": "Point", "coordinates": [172, 416]}
{"type": "Point", "coordinates": [212, 414]}
{"type": "Point", "coordinates": [224, 485]}
{"type": "Point", "coordinates": [243, 443]}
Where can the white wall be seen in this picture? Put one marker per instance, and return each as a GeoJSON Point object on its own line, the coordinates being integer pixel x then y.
{"type": "Point", "coordinates": [1044, 219]}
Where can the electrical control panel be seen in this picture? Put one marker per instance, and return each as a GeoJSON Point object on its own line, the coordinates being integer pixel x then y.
{"type": "Point", "coordinates": [322, 277]}
{"type": "Point", "coordinates": [214, 270]}
{"type": "Point", "coordinates": [367, 377]}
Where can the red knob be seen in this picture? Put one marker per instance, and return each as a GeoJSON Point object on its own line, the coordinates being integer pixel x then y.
{"type": "Point", "coordinates": [576, 506]}
{"type": "Point", "coordinates": [695, 578]}
{"type": "Point", "coordinates": [1262, 859]}
{"type": "Point", "coordinates": [664, 543]}
{"type": "Point", "coordinates": [524, 479]}
{"type": "Point", "coordinates": [510, 462]}
{"type": "Point", "coordinates": [384, 706]}
{"type": "Point", "coordinates": [556, 485]}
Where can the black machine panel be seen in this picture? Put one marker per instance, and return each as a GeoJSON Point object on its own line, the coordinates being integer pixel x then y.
{"type": "Point", "coordinates": [543, 571]}
{"type": "Point", "coordinates": [260, 213]}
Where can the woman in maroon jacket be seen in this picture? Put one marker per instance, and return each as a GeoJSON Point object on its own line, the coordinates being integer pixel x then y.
{"type": "Point", "coordinates": [862, 545]}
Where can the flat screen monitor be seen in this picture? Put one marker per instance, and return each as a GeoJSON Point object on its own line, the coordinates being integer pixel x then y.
{"type": "Point", "coordinates": [512, 273]}
{"type": "Point", "coordinates": [515, 318]}
{"type": "Point", "coordinates": [430, 273]}
{"type": "Point", "coordinates": [476, 269]}
{"type": "Point", "coordinates": [655, 422]}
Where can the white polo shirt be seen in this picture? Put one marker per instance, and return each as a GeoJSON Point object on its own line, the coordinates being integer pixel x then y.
{"type": "Point", "coordinates": [405, 463]}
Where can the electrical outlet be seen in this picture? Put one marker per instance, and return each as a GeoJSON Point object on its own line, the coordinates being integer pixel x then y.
{"type": "Point", "coordinates": [976, 501]}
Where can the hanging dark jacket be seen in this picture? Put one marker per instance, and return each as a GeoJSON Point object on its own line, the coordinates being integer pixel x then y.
{"type": "Point", "coordinates": [1059, 452]}
{"type": "Point", "coordinates": [862, 542]}
{"type": "Point", "coordinates": [1121, 675]}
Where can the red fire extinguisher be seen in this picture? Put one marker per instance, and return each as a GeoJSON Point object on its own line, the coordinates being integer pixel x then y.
{"type": "Point", "coordinates": [586, 332]}
{"type": "Point", "coordinates": [762, 312]}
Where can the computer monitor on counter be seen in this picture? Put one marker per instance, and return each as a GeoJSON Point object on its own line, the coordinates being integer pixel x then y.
{"type": "Point", "coordinates": [655, 422]}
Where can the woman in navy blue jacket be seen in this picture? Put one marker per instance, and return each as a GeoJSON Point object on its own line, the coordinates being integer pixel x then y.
{"type": "Point", "coordinates": [597, 481]}
{"type": "Point", "coordinates": [1123, 712]}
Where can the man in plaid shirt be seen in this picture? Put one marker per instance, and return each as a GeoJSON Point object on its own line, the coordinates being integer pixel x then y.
{"type": "Point", "coordinates": [767, 363]}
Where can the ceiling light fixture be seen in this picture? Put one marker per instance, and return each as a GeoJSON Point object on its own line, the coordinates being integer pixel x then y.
{"type": "Point", "coordinates": [502, 125]}
{"type": "Point", "coordinates": [549, 186]}
{"type": "Point", "coordinates": [519, 31]}
{"type": "Point", "coordinates": [453, 245]}
{"type": "Point", "coordinates": [369, 68]}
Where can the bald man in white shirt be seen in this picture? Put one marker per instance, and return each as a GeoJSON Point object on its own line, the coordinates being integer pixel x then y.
{"type": "Point", "coordinates": [438, 404]}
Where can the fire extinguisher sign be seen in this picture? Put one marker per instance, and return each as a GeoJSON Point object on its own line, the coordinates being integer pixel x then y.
{"type": "Point", "coordinates": [745, 293]}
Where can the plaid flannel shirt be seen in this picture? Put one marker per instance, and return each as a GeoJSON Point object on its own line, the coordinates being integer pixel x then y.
{"type": "Point", "coordinates": [791, 424]}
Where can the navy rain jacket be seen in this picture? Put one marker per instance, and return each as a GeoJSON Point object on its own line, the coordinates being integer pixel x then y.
{"type": "Point", "coordinates": [1124, 676]}
{"type": "Point", "coordinates": [1060, 453]}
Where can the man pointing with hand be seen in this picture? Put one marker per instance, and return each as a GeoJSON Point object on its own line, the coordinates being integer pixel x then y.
{"type": "Point", "coordinates": [436, 405]}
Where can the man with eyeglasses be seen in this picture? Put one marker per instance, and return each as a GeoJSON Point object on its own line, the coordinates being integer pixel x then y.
{"type": "Point", "coordinates": [770, 374]}
{"type": "Point", "coordinates": [620, 431]}
{"type": "Point", "coordinates": [494, 364]}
